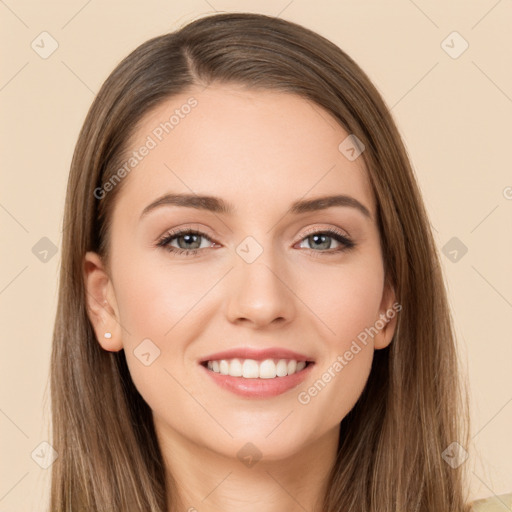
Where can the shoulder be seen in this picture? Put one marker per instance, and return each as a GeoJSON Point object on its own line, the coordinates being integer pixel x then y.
{"type": "Point", "coordinates": [500, 503]}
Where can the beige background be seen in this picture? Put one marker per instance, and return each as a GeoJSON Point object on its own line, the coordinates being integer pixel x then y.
{"type": "Point", "coordinates": [455, 116]}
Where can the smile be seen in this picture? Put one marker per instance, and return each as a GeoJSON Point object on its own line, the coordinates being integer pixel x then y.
{"type": "Point", "coordinates": [252, 369]}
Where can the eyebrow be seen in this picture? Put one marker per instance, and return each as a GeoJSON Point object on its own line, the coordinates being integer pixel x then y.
{"type": "Point", "coordinates": [218, 205]}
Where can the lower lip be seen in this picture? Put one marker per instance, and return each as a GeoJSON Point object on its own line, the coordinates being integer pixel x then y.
{"type": "Point", "coordinates": [259, 388]}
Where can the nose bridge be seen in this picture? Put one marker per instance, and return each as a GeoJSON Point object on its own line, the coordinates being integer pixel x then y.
{"type": "Point", "coordinates": [260, 293]}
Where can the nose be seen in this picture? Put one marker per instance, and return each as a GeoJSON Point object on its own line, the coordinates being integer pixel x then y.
{"type": "Point", "coordinates": [259, 294]}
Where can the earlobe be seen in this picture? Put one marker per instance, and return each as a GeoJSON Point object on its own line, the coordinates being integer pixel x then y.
{"type": "Point", "coordinates": [101, 304]}
{"type": "Point", "coordinates": [388, 318]}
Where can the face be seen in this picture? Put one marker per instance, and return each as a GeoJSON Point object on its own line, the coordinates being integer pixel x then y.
{"type": "Point", "coordinates": [262, 276]}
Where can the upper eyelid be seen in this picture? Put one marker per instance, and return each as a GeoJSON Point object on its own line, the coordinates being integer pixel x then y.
{"type": "Point", "coordinates": [184, 231]}
{"type": "Point", "coordinates": [310, 231]}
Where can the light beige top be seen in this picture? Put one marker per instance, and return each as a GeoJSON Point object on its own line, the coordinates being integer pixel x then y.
{"type": "Point", "coordinates": [500, 503]}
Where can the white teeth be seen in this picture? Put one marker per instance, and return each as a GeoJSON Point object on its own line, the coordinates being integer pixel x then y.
{"type": "Point", "coordinates": [252, 369]}
{"type": "Point", "coordinates": [224, 367]}
{"type": "Point", "coordinates": [282, 368]}
{"type": "Point", "coordinates": [235, 368]}
{"type": "Point", "coordinates": [267, 369]}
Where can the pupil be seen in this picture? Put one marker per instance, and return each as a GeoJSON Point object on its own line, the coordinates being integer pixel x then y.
{"type": "Point", "coordinates": [318, 238]}
{"type": "Point", "coordinates": [189, 239]}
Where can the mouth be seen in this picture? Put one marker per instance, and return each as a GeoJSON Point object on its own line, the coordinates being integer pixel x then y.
{"type": "Point", "coordinates": [259, 377]}
{"type": "Point", "coordinates": [257, 363]}
{"type": "Point", "coordinates": [269, 368]}
{"type": "Point", "coordinates": [257, 373]}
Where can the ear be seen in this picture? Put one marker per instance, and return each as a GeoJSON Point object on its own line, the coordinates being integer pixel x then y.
{"type": "Point", "coordinates": [101, 303]}
{"type": "Point", "coordinates": [388, 317]}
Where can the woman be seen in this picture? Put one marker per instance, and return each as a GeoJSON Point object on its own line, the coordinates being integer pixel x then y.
{"type": "Point", "coordinates": [251, 314]}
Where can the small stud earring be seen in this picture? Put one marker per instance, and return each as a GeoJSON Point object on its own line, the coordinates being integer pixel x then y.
{"type": "Point", "coordinates": [108, 335]}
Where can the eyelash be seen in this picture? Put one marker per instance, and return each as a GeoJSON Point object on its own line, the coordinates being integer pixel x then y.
{"type": "Point", "coordinates": [347, 244]}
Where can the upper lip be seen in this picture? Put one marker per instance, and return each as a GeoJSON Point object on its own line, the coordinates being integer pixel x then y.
{"type": "Point", "coordinates": [256, 354]}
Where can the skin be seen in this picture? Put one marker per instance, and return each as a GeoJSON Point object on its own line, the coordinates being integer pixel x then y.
{"type": "Point", "coordinates": [261, 151]}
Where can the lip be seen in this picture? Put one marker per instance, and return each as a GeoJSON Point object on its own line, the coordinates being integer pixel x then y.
{"type": "Point", "coordinates": [259, 388]}
{"type": "Point", "coordinates": [257, 355]}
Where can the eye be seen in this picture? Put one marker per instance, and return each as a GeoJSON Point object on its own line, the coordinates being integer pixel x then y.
{"type": "Point", "coordinates": [189, 242]}
{"type": "Point", "coordinates": [323, 240]}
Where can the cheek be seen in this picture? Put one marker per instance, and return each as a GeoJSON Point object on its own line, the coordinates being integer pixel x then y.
{"type": "Point", "coordinates": [152, 299]}
{"type": "Point", "coordinates": [346, 298]}
{"type": "Point", "coordinates": [159, 309]}
{"type": "Point", "coordinates": [346, 359]}
{"type": "Point", "coordinates": [347, 301]}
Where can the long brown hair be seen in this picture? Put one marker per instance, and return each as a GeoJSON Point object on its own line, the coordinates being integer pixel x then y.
{"type": "Point", "coordinates": [413, 406]}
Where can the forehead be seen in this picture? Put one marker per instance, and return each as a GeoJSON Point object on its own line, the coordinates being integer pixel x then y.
{"type": "Point", "coordinates": [252, 147]}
